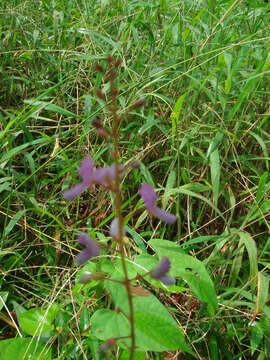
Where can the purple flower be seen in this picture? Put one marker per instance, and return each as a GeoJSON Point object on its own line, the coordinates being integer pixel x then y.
{"type": "Point", "coordinates": [161, 270]}
{"type": "Point", "coordinates": [91, 249]}
{"type": "Point", "coordinates": [150, 197]}
{"type": "Point", "coordinates": [114, 229]}
{"type": "Point", "coordinates": [86, 172]}
{"type": "Point", "coordinates": [104, 176]}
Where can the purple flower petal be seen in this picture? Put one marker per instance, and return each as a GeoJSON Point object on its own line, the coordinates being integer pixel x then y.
{"type": "Point", "coordinates": [106, 175]}
{"type": "Point", "coordinates": [91, 249]}
{"type": "Point", "coordinates": [162, 268]}
{"type": "Point", "coordinates": [164, 215]}
{"type": "Point", "coordinates": [84, 239]}
{"type": "Point", "coordinates": [82, 257]}
{"type": "Point", "coordinates": [114, 229]}
{"type": "Point", "coordinates": [166, 280]}
{"type": "Point", "coordinates": [86, 170]}
{"type": "Point", "coordinates": [74, 191]}
{"type": "Point", "coordinates": [149, 196]}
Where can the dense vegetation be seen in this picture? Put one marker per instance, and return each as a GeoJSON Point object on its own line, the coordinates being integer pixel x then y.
{"type": "Point", "coordinates": [202, 141]}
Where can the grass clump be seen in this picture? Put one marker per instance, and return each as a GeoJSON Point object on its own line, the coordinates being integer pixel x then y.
{"type": "Point", "coordinates": [201, 139]}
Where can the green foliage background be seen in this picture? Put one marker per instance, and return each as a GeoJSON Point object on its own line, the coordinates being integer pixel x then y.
{"type": "Point", "coordinates": [203, 142]}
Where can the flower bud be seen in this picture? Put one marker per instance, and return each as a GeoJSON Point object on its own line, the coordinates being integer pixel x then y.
{"type": "Point", "coordinates": [99, 68]}
{"type": "Point", "coordinates": [138, 104]}
{"type": "Point", "coordinates": [118, 62]}
{"type": "Point", "coordinates": [115, 230]}
{"type": "Point", "coordinates": [100, 94]}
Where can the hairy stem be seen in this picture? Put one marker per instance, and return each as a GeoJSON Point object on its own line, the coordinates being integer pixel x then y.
{"type": "Point", "coordinates": [118, 202]}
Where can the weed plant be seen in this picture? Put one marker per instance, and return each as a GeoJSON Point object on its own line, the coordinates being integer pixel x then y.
{"type": "Point", "coordinates": [201, 140]}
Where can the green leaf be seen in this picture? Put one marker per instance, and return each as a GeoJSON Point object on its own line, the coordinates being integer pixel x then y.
{"type": "Point", "coordinates": [36, 321]}
{"type": "Point", "coordinates": [3, 298]}
{"type": "Point", "coordinates": [18, 150]}
{"type": "Point", "coordinates": [176, 112]}
{"type": "Point", "coordinates": [16, 218]}
{"type": "Point", "coordinates": [251, 247]}
{"type": "Point", "coordinates": [262, 188]}
{"type": "Point", "coordinates": [24, 348]}
{"type": "Point", "coordinates": [50, 107]}
{"type": "Point", "coordinates": [185, 191]}
{"type": "Point", "coordinates": [236, 265]}
{"type": "Point", "coordinates": [262, 291]}
{"type": "Point", "coordinates": [213, 347]}
{"type": "Point", "coordinates": [256, 337]}
{"type": "Point", "coordinates": [136, 356]}
{"type": "Point", "coordinates": [147, 175]}
{"type": "Point", "coordinates": [107, 324]}
{"type": "Point", "coordinates": [190, 269]}
{"type": "Point", "coordinates": [151, 319]}
{"type": "Point", "coordinates": [264, 147]}
{"type": "Point", "coordinates": [215, 175]}
{"type": "Point", "coordinates": [137, 238]}
{"type": "Point", "coordinates": [169, 185]}
{"type": "Point", "coordinates": [215, 143]}
{"type": "Point", "coordinates": [5, 187]}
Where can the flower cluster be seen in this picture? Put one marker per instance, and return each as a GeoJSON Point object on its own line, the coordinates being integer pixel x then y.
{"type": "Point", "coordinates": [106, 176]}
{"type": "Point", "coordinates": [103, 176]}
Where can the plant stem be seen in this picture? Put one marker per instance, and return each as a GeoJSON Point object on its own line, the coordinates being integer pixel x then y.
{"type": "Point", "coordinates": [118, 202]}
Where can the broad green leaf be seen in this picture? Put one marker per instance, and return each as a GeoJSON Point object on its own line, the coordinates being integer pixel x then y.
{"type": "Point", "coordinates": [136, 356]}
{"type": "Point", "coordinates": [107, 324]}
{"type": "Point", "coordinates": [24, 349]}
{"type": "Point", "coordinates": [190, 269]}
{"type": "Point", "coordinates": [36, 321]}
{"type": "Point", "coordinates": [151, 319]}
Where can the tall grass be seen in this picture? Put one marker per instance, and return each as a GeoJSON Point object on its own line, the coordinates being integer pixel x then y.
{"type": "Point", "coordinates": [202, 138]}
